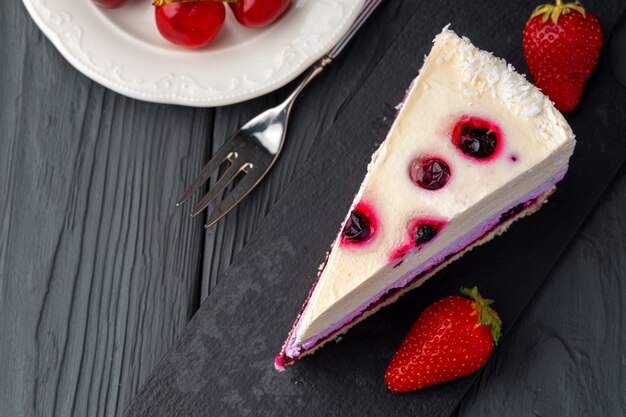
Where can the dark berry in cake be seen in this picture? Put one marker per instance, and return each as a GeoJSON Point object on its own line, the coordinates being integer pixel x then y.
{"type": "Point", "coordinates": [478, 142]}
{"type": "Point", "coordinates": [357, 228]}
{"type": "Point", "coordinates": [420, 232]}
{"type": "Point", "coordinates": [424, 233]}
{"type": "Point", "coordinates": [429, 173]}
{"type": "Point", "coordinates": [476, 137]}
{"type": "Point", "coordinates": [512, 212]}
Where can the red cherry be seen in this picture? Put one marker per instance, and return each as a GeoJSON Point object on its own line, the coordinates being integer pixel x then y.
{"type": "Point", "coordinates": [191, 24]}
{"type": "Point", "coordinates": [429, 173]}
{"type": "Point", "coordinates": [109, 3]}
{"type": "Point", "coordinates": [477, 138]}
{"type": "Point", "coordinates": [258, 13]}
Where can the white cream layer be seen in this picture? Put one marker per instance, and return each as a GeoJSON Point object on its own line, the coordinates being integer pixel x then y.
{"type": "Point", "coordinates": [456, 79]}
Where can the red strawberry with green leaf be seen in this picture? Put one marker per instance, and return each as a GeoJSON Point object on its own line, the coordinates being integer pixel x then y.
{"type": "Point", "coordinates": [562, 43]}
{"type": "Point", "coordinates": [451, 338]}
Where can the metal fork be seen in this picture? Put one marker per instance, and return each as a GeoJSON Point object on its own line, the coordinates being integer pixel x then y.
{"type": "Point", "coordinates": [252, 150]}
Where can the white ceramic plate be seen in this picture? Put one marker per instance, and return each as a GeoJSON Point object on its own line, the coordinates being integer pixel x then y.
{"type": "Point", "coordinates": [123, 50]}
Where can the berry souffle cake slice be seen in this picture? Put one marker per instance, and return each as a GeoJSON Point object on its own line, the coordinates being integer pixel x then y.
{"type": "Point", "coordinates": [474, 147]}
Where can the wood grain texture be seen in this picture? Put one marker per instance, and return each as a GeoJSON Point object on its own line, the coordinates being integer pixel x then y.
{"type": "Point", "coordinates": [314, 112]}
{"type": "Point", "coordinates": [98, 273]}
{"type": "Point", "coordinates": [567, 355]}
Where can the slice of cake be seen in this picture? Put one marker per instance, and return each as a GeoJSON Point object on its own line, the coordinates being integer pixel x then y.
{"type": "Point", "coordinates": [474, 147]}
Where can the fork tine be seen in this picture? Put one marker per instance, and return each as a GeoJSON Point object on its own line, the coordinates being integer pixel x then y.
{"type": "Point", "coordinates": [222, 154]}
{"type": "Point", "coordinates": [219, 186]}
{"type": "Point", "coordinates": [248, 182]}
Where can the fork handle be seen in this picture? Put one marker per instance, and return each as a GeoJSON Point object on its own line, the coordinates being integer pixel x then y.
{"type": "Point", "coordinates": [309, 76]}
{"type": "Point", "coordinates": [368, 8]}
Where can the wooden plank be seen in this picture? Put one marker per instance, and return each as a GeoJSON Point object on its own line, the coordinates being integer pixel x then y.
{"type": "Point", "coordinates": [98, 272]}
{"type": "Point", "coordinates": [92, 293]}
{"type": "Point", "coordinates": [314, 112]}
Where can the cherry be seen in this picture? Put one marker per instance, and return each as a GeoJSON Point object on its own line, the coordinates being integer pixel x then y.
{"type": "Point", "coordinates": [191, 24]}
{"type": "Point", "coordinates": [420, 232]}
{"type": "Point", "coordinates": [478, 142]}
{"type": "Point", "coordinates": [357, 228]}
{"type": "Point", "coordinates": [360, 225]}
{"type": "Point", "coordinates": [476, 137]}
{"type": "Point", "coordinates": [431, 174]}
{"type": "Point", "coordinates": [425, 232]}
{"type": "Point", "coordinates": [258, 13]}
{"type": "Point", "coordinates": [109, 3]}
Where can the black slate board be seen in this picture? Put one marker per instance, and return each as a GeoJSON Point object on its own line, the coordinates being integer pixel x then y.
{"type": "Point", "coordinates": [223, 362]}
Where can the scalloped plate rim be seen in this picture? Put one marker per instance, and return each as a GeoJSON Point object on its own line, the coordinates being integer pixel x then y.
{"type": "Point", "coordinates": [271, 84]}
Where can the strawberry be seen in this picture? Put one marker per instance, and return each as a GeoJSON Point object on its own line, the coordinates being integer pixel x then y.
{"type": "Point", "coordinates": [562, 43]}
{"type": "Point", "coordinates": [451, 338]}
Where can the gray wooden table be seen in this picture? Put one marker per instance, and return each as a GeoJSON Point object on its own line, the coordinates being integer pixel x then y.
{"type": "Point", "coordinates": [99, 273]}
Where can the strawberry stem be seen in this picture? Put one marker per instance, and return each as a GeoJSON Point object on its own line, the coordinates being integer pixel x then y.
{"type": "Point", "coordinates": [554, 11]}
{"type": "Point", "coordinates": [487, 316]}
